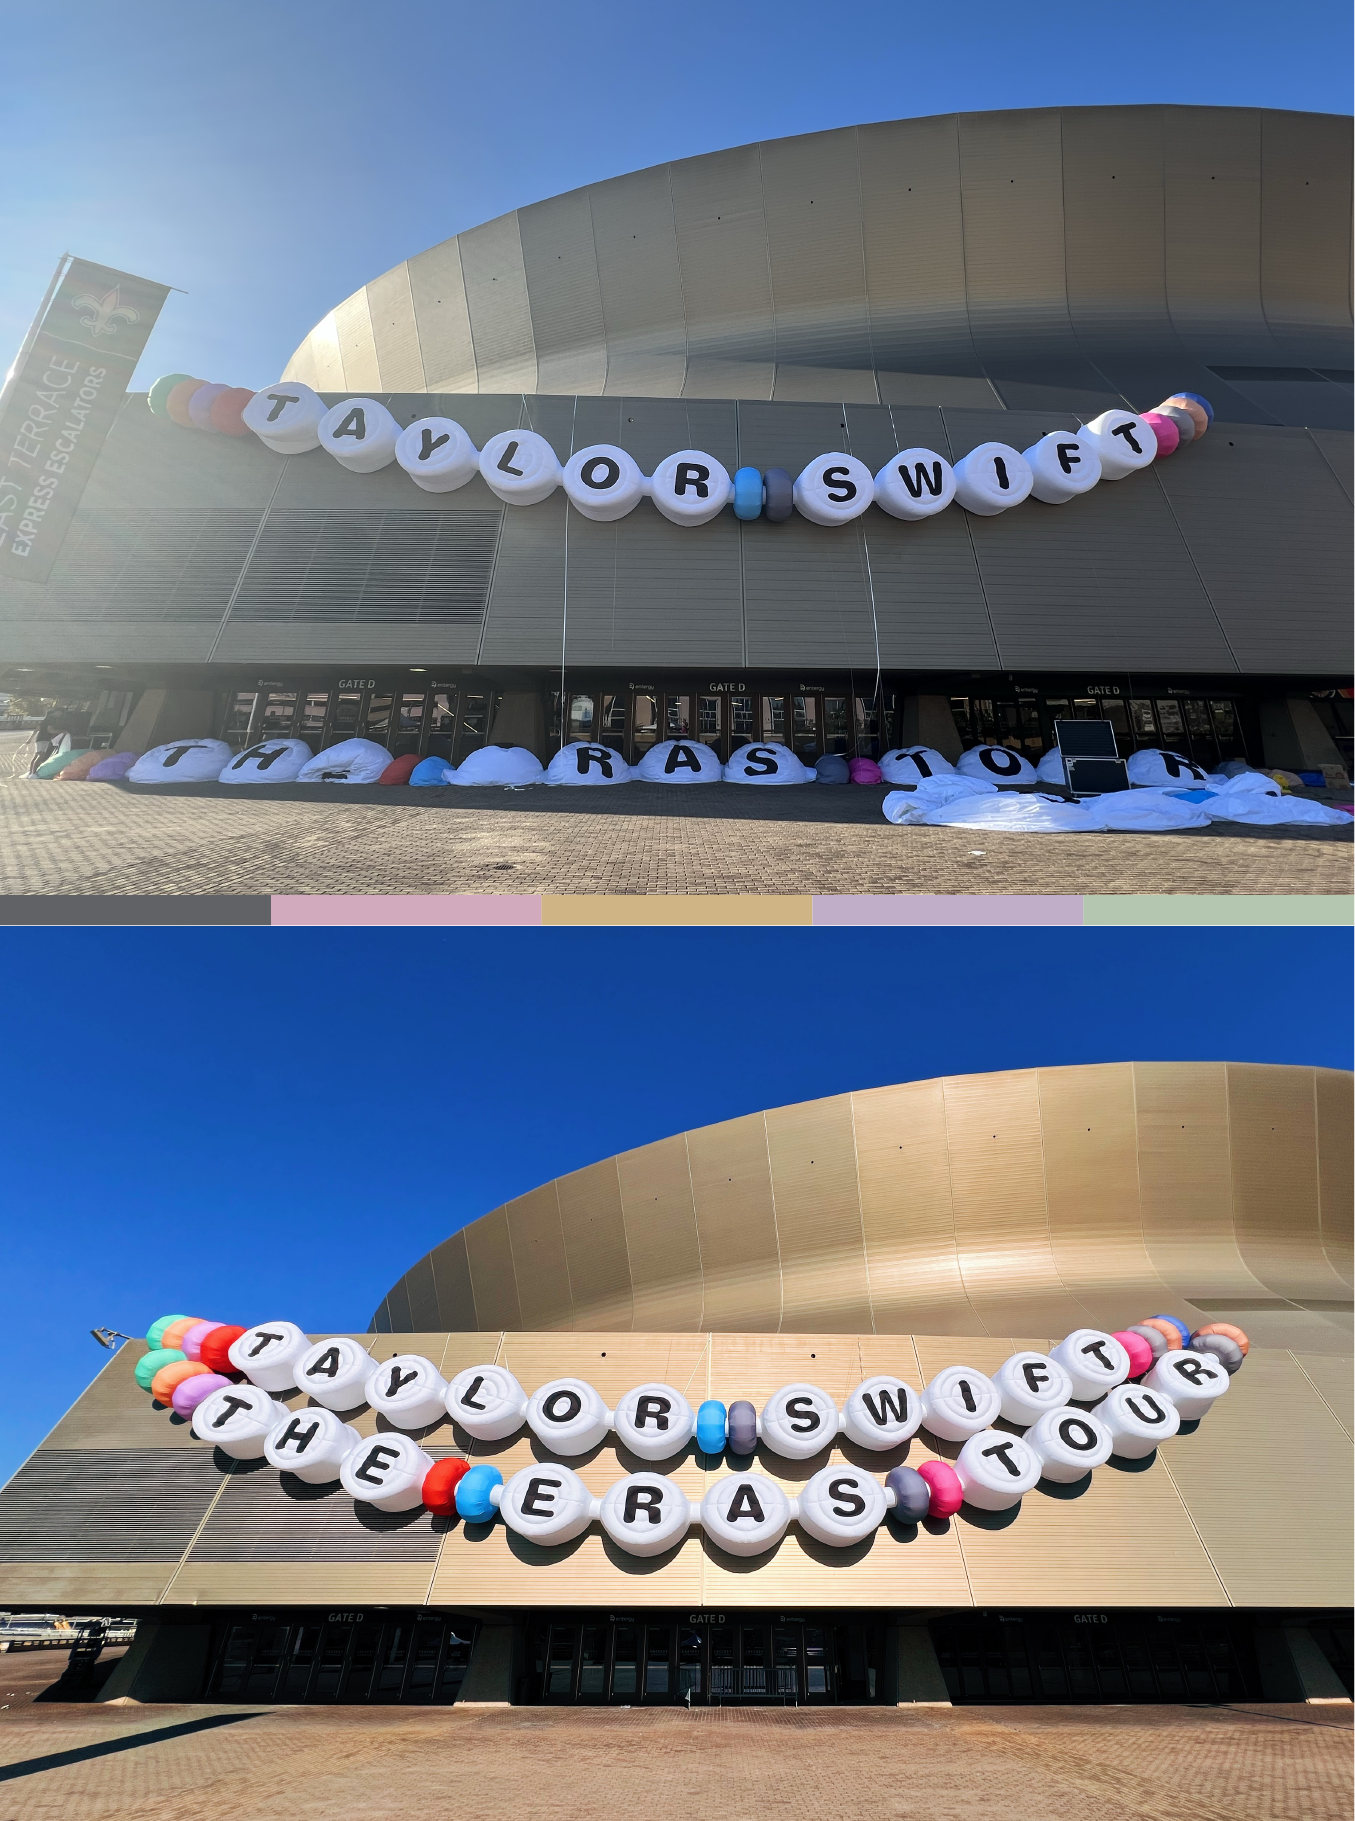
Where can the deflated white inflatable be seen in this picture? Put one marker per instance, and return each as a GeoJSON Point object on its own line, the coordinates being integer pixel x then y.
{"type": "Point", "coordinates": [1155, 766]}
{"type": "Point", "coordinates": [437, 454]}
{"type": "Point", "coordinates": [914, 484]}
{"type": "Point", "coordinates": [834, 489]}
{"type": "Point", "coordinates": [1014, 815]}
{"type": "Point", "coordinates": [350, 762]}
{"type": "Point", "coordinates": [287, 417]}
{"type": "Point", "coordinates": [360, 434]}
{"type": "Point", "coordinates": [1050, 769]}
{"type": "Point", "coordinates": [999, 764]}
{"type": "Point", "coordinates": [1123, 443]}
{"type": "Point", "coordinates": [691, 487]}
{"type": "Point", "coordinates": [582, 763]}
{"type": "Point", "coordinates": [510, 765]}
{"type": "Point", "coordinates": [520, 467]}
{"type": "Point", "coordinates": [766, 765]}
{"type": "Point", "coordinates": [1064, 465]}
{"type": "Point", "coordinates": [603, 482]}
{"type": "Point", "coordinates": [903, 807]}
{"type": "Point", "coordinates": [181, 762]}
{"type": "Point", "coordinates": [1145, 811]}
{"type": "Point", "coordinates": [991, 479]}
{"type": "Point", "coordinates": [680, 762]}
{"type": "Point", "coordinates": [270, 762]}
{"type": "Point", "coordinates": [1263, 805]}
{"type": "Point", "coordinates": [910, 764]}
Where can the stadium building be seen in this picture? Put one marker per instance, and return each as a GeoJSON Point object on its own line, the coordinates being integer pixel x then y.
{"type": "Point", "coordinates": [934, 284]}
{"type": "Point", "coordinates": [897, 1231]}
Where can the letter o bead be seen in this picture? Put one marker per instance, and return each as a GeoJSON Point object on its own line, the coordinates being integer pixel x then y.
{"type": "Point", "coordinates": [603, 482]}
{"type": "Point", "coordinates": [1068, 1444]}
{"type": "Point", "coordinates": [568, 1416]}
{"type": "Point", "coordinates": [645, 1514]}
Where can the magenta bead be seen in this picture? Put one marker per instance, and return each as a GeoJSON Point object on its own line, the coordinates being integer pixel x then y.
{"type": "Point", "coordinates": [192, 1338]}
{"type": "Point", "coordinates": [1166, 432]}
{"type": "Point", "coordinates": [191, 1392]}
{"type": "Point", "coordinates": [1140, 1353]}
{"type": "Point", "coordinates": [947, 1492]}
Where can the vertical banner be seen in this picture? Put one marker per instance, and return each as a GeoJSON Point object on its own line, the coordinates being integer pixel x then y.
{"type": "Point", "coordinates": [59, 403]}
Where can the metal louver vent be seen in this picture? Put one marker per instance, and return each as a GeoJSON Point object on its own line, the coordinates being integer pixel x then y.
{"type": "Point", "coordinates": [265, 1516]}
{"type": "Point", "coordinates": [151, 563]}
{"type": "Point", "coordinates": [369, 567]}
{"type": "Point", "coordinates": [105, 1505]}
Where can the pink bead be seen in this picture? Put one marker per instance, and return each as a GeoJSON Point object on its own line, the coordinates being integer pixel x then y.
{"type": "Point", "coordinates": [191, 1392]}
{"type": "Point", "coordinates": [947, 1492]}
{"type": "Point", "coordinates": [1140, 1353]}
{"type": "Point", "coordinates": [1166, 432]}
{"type": "Point", "coordinates": [191, 1340]}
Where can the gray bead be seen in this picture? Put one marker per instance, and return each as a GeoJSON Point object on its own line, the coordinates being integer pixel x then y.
{"type": "Point", "coordinates": [742, 1429]}
{"type": "Point", "coordinates": [1155, 1340]}
{"type": "Point", "coordinates": [912, 1494]}
{"type": "Point", "coordinates": [1225, 1351]}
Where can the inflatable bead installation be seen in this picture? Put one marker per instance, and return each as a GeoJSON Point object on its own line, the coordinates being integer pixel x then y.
{"type": "Point", "coordinates": [690, 487]}
{"type": "Point", "coordinates": [1093, 1396]}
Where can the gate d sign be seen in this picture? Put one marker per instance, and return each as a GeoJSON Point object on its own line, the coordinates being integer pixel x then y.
{"type": "Point", "coordinates": [881, 1413]}
{"type": "Point", "coordinates": [645, 1513]}
{"type": "Point", "coordinates": [437, 454]}
{"type": "Point", "coordinates": [488, 1402]}
{"type": "Point", "coordinates": [360, 434]}
{"type": "Point", "coordinates": [655, 1422]}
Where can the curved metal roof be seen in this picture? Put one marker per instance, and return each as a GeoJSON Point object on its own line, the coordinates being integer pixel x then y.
{"type": "Point", "coordinates": [1032, 1201]}
{"type": "Point", "coordinates": [931, 261]}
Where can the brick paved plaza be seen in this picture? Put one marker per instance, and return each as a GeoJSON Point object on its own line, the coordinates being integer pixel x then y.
{"type": "Point", "coordinates": [1242, 1763]}
{"type": "Point", "coordinates": [648, 838]}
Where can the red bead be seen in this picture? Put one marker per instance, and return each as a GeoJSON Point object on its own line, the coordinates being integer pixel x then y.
{"type": "Point", "coordinates": [213, 1349]}
{"type": "Point", "coordinates": [947, 1492]}
{"type": "Point", "coordinates": [440, 1484]}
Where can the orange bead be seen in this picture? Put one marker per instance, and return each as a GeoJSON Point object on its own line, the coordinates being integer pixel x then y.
{"type": "Point", "coordinates": [178, 1329]}
{"type": "Point", "coordinates": [1227, 1329]}
{"type": "Point", "coordinates": [1171, 1335]}
{"type": "Point", "coordinates": [168, 1377]}
{"type": "Point", "coordinates": [176, 405]}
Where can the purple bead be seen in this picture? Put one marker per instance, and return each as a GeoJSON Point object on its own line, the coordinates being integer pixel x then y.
{"type": "Point", "coordinates": [742, 1429]}
{"type": "Point", "coordinates": [188, 1395]}
{"type": "Point", "coordinates": [912, 1494]}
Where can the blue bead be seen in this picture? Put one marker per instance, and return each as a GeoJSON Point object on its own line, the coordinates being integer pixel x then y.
{"type": "Point", "coordinates": [748, 493]}
{"type": "Point", "coordinates": [710, 1427]}
{"type": "Point", "coordinates": [1196, 399]}
{"type": "Point", "coordinates": [472, 1493]}
{"type": "Point", "coordinates": [1180, 1327]}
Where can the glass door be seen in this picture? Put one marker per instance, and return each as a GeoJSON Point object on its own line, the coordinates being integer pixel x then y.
{"type": "Point", "coordinates": [644, 723]}
{"type": "Point", "coordinates": [806, 721]}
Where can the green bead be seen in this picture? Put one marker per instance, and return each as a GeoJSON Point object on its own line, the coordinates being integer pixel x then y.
{"type": "Point", "coordinates": [161, 390]}
{"type": "Point", "coordinates": [157, 1328]}
{"type": "Point", "coordinates": [150, 1363]}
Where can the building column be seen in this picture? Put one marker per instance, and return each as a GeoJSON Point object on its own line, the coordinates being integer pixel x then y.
{"type": "Point", "coordinates": [1294, 739]}
{"type": "Point", "coordinates": [168, 714]}
{"type": "Point", "coordinates": [918, 1679]}
{"type": "Point", "coordinates": [164, 1662]}
{"type": "Point", "coordinates": [927, 721]}
{"type": "Point", "coordinates": [491, 1674]}
{"type": "Point", "coordinates": [520, 720]}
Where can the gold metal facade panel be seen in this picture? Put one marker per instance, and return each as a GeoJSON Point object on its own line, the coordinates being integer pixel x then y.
{"type": "Point", "coordinates": [595, 1245]}
{"type": "Point", "coordinates": [1335, 1168]}
{"type": "Point", "coordinates": [114, 1412]}
{"type": "Point", "coordinates": [1267, 1478]}
{"type": "Point", "coordinates": [501, 1569]}
{"type": "Point", "coordinates": [357, 347]}
{"type": "Point", "coordinates": [1092, 1188]}
{"type": "Point", "coordinates": [906, 1213]}
{"type": "Point", "coordinates": [613, 1363]}
{"type": "Point", "coordinates": [1272, 1124]}
{"type": "Point", "coordinates": [300, 1584]}
{"type": "Point", "coordinates": [1335, 1385]}
{"type": "Point", "coordinates": [489, 1252]}
{"type": "Point", "coordinates": [58, 1584]}
{"type": "Point", "coordinates": [1185, 1182]}
{"type": "Point", "coordinates": [452, 1284]}
{"type": "Point", "coordinates": [736, 1225]}
{"type": "Point", "coordinates": [661, 1236]}
{"type": "Point", "coordinates": [752, 1366]}
{"type": "Point", "coordinates": [818, 1218]}
{"type": "Point", "coordinates": [539, 1263]}
{"type": "Point", "coordinates": [885, 1570]}
{"type": "Point", "coordinates": [997, 1185]}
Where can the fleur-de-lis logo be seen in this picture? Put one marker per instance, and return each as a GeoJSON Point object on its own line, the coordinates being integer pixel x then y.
{"type": "Point", "coordinates": [105, 313]}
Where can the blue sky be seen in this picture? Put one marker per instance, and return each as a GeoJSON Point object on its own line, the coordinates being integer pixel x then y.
{"type": "Point", "coordinates": [269, 159]}
{"type": "Point", "coordinates": [249, 1125]}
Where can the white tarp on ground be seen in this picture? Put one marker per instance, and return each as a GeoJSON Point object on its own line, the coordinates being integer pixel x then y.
{"type": "Point", "coordinates": [1144, 811]}
{"type": "Point", "coordinates": [910, 806]}
{"type": "Point", "coordinates": [181, 762]}
{"type": "Point", "coordinates": [679, 762]}
{"type": "Point", "coordinates": [1258, 801]}
{"type": "Point", "coordinates": [766, 765]}
{"type": "Point", "coordinates": [1012, 814]}
{"type": "Point", "coordinates": [910, 764]}
{"type": "Point", "coordinates": [350, 762]}
{"type": "Point", "coordinates": [581, 762]}
{"type": "Point", "coordinates": [509, 765]}
{"type": "Point", "coordinates": [270, 762]}
{"type": "Point", "coordinates": [999, 764]}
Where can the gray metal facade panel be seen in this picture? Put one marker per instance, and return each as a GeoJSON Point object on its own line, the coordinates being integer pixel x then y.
{"type": "Point", "coordinates": [362, 646]}
{"type": "Point", "coordinates": [722, 253]}
{"type": "Point", "coordinates": [653, 428]}
{"type": "Point", "coordinates": [1213, 227]}
{"type": "Point", "coordinates": [1104, 582]}
{"type": "Point", "coordinates": [642, 303]}
{"type": "Point", "coordinates": [357, 345]}
{"type": "Point", "coordinates": [806, 599]}
{"type": "Point", "coordinates": [1012, 175]}
{"type": "Point", "coordinates": [266, 1516]}
{"type": "Point", "coordinates": [789, 436]}
{"type": "Point", "coordinates": [1338, 450]}
{"type": "Point", "coordinates": [643, 592]}
{"type": "Point", "coordinates": [395, 332]}
{"type": "Point", "coordinates": [149, 462]}
{"type": "Point", "coordinates": [1114, 204]}
{"type": "Point", "coordinates": [500, 314]}
{"type": "Point", "coordinates": [1269, 529]}
{"type": "Point", "coordinates": [965, 430]}
{"type": "Point", "coordinates": [913, 230]}
{"type": "Point", "coordinates": [812, 197]}
{"type": "Point", "coordinates": [565, 294]}
{"type": "Point", "coordinates": [523, 623]}
{"type": "Point", "coordinates": [729, 379]}
{"type": "Point", "coordinates": [1306, 234]}
{"type": "Point", "coordinates": [438, 297]}
{"type": "Point", "coordinates": [1314, 403]}
{"type": "Point", "coordinates": [853, 385]}
{"type": "Point", "coordinates": [106, 1504]}
{"type": "Point", "coordinates": [929, 598]}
